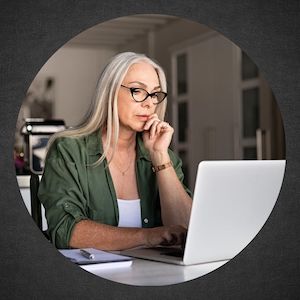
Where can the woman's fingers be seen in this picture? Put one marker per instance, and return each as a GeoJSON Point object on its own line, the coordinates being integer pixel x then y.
{"type": "Point", "coordinates": [162, 126]}
{"type": "Point", "coordinates": [153, 128]}
{"type": "Point", "coordinates": [171, 239]}
{"type": "Point", "coordinates": [166, 235]}
{"type": "Point", "coordinates": [156, 126]}
{"type": "Point", "coordinates": [159, 127]}
{"type": "Point", "coordinates": [150, 121]}
{"type": "Point", "coordinates": [174, 236]}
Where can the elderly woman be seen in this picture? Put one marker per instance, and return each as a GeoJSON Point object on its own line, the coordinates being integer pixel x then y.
{"type": "Point", "coordinates": [113, 183]}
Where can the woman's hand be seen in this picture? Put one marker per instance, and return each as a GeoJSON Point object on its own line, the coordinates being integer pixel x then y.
{"type": "Point", "coordinates": [157, 135]}
{"type": "Point", "coordinates": [165, 235]}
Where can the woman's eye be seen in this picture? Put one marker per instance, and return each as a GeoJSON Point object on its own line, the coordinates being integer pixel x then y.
{"type": "Point", "coordinates": [136, 91]}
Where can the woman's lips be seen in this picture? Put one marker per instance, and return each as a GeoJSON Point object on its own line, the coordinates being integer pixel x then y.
{"type": "Point", "coordinates": [143, 117]}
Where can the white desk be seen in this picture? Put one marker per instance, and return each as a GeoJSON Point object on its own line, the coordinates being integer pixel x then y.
{"type": "Point", "coordinates": [149, 273]}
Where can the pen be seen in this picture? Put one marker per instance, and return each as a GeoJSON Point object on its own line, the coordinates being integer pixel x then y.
{"type": "Point", "coordinates": [87, 254]}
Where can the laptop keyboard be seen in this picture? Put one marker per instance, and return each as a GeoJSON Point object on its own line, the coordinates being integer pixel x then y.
{"type": "Point", "coordinates": [171, 251]}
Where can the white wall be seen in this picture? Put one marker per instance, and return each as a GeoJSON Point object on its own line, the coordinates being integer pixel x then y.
{"type": "Point", "coordinates": [165, 39]}
{"type": "Point", "coordinates": [213, 91]}
{"type": "Point", "coordinates": [75, 71]}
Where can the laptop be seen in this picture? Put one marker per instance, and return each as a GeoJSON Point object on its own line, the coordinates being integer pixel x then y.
{"type": "Point", "coordinates": [232, 201]}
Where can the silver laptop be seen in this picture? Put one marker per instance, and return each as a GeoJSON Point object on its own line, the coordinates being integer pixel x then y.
{"type": "Point", "coordinates": [232, 201]}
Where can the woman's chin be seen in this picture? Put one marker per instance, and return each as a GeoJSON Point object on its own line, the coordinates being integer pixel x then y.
{"type": "Point", "coordinates": [139, 127]}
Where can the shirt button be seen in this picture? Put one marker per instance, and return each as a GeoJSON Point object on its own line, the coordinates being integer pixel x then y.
{"type": "Point", "coordinates": [146, 220]}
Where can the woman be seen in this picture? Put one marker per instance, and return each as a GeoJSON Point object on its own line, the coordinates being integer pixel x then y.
{"type": "Point", "coordinates": [113, 184]}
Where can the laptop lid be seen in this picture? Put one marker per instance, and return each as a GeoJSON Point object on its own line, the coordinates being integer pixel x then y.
{"type": "Point", "coordinates": [232, 201]}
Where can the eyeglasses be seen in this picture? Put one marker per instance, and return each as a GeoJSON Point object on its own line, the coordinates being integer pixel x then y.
{"type": "Point", "coordinates": [140, 95]}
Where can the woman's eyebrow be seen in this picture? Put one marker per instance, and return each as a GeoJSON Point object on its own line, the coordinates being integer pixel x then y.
{"type": "Point", "coordinates": [143, 85]}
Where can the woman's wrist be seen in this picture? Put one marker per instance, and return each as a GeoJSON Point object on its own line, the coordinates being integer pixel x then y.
{"type": "Point", "coordinates": [159, 158]}
{"type": "Point", "coordinates": [146, 233]}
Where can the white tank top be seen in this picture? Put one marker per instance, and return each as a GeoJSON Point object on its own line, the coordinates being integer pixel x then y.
{"type": "Point", "coordinates": [129, 213]}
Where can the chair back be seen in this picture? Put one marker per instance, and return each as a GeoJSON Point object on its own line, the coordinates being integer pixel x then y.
{"type": "Point", "coordinates": [36, 207]}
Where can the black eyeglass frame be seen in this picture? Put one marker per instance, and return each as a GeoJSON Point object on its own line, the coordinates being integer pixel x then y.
{"type": "Point", "coordinates": [132, 89]}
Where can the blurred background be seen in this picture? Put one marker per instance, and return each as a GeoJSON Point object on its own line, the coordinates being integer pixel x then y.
{"type": "Point", "coordinates": [218, 102]}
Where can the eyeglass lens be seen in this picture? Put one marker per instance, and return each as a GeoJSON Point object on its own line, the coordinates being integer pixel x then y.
{"type": "Point", "coordinates": [141, 95]}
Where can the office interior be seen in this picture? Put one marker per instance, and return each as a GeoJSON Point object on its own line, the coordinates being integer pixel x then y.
{"type": "Point", "coordinates": [219, 104]}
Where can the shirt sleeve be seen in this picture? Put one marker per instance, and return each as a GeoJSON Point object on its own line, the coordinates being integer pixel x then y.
{"type": "Point", "coordinates": [62, 190]}
{"type": "Point", "coordinates": [177, 165]}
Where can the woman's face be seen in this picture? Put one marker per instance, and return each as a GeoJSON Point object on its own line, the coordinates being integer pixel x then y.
{"type": "Point", "coordinates": [133, 115]}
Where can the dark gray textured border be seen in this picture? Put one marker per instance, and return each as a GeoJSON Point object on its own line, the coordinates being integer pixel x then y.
{"type": "Point", "coordinates": [31, 31]}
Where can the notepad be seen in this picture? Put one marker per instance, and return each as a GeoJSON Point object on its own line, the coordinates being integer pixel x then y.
{"type": "Point", "coordinates": [102, 259]}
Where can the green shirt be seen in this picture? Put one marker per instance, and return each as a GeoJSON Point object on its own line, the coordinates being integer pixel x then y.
{"type": "Point", "coordinates": [72, 190]}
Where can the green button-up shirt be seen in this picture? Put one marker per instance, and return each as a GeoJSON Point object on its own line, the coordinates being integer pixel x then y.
{"type": "Point", "coordinates": [72, 190]}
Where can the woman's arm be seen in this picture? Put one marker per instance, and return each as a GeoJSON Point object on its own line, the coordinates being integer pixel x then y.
{"type": "Point", "coordinates": [87, 233]}
{"type": "Point", "coordinates": [174, 200]}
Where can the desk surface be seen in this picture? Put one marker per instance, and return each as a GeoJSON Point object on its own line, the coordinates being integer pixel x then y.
{"type": "Point", "coordinates": [151, 273]}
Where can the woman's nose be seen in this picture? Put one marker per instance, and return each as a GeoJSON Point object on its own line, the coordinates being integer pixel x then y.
{"type": "Point", "coordinates": [148, 102]}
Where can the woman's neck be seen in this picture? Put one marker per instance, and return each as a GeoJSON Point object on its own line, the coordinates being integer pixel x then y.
{"type": "Point", "coordinates": [126, 141]}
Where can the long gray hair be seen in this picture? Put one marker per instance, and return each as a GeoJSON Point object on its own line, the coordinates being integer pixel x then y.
{"type": "Point", "coordinates": [104, 112]}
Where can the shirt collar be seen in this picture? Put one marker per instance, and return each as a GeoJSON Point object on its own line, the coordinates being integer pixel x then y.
{"type": "Point", "coordinates": [94, 143]}
{"type": "Point", "coordinates": [142, 152]}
